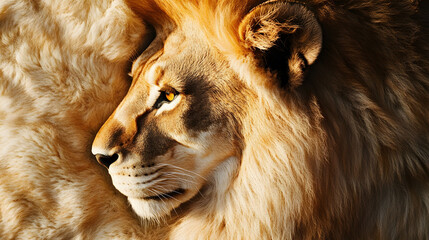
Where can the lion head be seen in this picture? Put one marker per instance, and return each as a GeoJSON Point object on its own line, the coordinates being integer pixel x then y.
{"type": "Point", "coordinates": [174, 128]}
{"type": "Point", "coordinates": [275, 119]}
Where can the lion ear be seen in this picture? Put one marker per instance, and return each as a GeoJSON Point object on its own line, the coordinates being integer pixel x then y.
{"type": "Point", "coordinates": [284, 36]}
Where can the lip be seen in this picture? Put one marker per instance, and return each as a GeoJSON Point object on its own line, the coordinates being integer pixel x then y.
{"type": "Point", "coordinates": [168, 195]}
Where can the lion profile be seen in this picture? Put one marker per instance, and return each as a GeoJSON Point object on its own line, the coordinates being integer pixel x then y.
{"type": "Point", "coordinates": [276, 120]}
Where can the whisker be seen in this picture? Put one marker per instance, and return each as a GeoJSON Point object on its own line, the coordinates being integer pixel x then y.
{"type": "Point", "coordinates": [174, 178]}
{"type": "Point", "coordinates": [183, 169]}
{"type": "Point", "coordinates": [180, 174]}
{"type": "Point", "coordinates": [183, 172]}
{"type": "Point", "coordinates": [165, 193]}
{"type": "Point", "coordinates": [174, 209]}
{"type": "Point", "coordinates": [157, 193]}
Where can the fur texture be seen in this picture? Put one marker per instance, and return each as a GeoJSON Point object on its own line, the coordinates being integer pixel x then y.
{"type": "Point", "coordinates": [62, 71]}
{"type": "Point", "coordinates": [330, 148]}
{"type": "Point", "coordinates": [342, 153]}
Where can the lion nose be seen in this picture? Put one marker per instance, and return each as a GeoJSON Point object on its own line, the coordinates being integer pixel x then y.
{"type": "Point", "coordinates": [113, 139]}
{"type": "Point", "coordinates": [105, 154]}
{"type": "Point", "coordinates": [108, 144]}
{"type": "Point", "coordinates": [106, 160]}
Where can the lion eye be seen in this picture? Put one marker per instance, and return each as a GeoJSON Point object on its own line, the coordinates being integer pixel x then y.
{"type": "Point", "coordinates": [165, 97]}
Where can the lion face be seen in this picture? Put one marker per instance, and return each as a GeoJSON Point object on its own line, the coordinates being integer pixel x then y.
{"type": "Point", "coordinates": [169, 133]}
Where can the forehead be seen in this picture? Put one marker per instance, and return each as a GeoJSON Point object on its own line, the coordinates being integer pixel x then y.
{"type": "Point", "coordinates": [183, 54]}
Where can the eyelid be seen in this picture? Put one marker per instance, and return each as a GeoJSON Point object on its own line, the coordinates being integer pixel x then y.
{"type": "Point", "coordinates": [169, 89]}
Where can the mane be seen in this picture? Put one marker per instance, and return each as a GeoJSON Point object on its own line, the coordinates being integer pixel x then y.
{"type": "Point", "coordinates": [218, 19]}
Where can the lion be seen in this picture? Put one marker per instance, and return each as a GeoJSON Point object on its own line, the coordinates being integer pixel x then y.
{"type": "Point", "coordinates": [276, 120]}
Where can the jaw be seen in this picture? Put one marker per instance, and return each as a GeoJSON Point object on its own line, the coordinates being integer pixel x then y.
{"type": "Point", "coordinates": [152, 209]}
{"type": "Point", "coordinates": [219, 181]}
{"type": "Point", "coordinates": [158, 207]}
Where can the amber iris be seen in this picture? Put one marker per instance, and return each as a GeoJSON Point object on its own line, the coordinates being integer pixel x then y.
{"type": "Point", "coordinates": [169, 96]}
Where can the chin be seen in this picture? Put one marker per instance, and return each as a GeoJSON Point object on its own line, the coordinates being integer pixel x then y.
{"type": "Point", "coordinates": [161, 206]}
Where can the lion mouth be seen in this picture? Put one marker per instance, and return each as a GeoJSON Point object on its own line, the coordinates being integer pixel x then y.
{"type": "Point", "coordinates": [168, 195]}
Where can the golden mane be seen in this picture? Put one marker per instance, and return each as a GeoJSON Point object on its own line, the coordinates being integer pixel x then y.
{"type": "Point", "coordinates": [219, 19]}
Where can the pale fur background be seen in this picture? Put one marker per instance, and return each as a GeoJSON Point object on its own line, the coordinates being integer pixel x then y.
{"type": "Point", "coordinates": [62, 72]}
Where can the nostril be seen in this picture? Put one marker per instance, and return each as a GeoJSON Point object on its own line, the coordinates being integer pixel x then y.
{"type": "Point", "coordinates": [106, 160]}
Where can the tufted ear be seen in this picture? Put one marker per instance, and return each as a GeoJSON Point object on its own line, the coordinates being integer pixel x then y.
{"type": "Point", "coordinates": [284, 36]}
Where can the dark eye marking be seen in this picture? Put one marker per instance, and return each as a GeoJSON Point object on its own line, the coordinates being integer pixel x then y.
{"type": "Point", "coordinates": [165, 96]}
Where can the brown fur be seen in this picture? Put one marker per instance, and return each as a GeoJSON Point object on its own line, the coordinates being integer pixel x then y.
{"type": "Point", "coordinates": [333, 148]}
